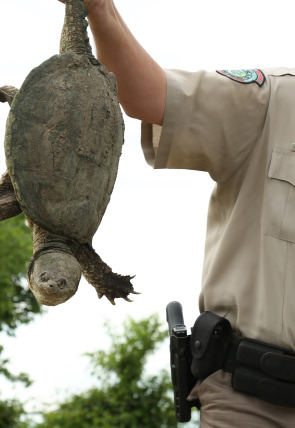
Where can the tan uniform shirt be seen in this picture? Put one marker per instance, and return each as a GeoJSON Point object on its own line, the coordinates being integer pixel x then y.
{"type": "Point", "coordinates": [244, 136]}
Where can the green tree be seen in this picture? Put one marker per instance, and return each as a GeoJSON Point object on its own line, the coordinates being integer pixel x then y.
{"type": "Point", "coordinates": [17, 303]}
{"type": "Point", "coordinates": [127, 396]}
{"type": "Point", "coordinates": [11, 414]}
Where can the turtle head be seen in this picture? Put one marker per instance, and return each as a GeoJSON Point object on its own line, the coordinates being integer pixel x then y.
{"type": "Point", "coordinates": [54, 277]}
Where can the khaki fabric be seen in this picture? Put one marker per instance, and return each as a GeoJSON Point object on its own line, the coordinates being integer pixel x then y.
{"type": "Point", "coordinates": [243, 135]}
{"type": "Point", "coordinates": [222, 407]}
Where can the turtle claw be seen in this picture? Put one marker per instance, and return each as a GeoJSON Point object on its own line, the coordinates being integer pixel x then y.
{"type": "Point", "coordinates": [114, 286]}
{"type": "Point", "coordinates": [111, 300]}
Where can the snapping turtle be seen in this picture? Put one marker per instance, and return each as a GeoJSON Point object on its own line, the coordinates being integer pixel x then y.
{"type": "Point", "coordinates": [63, 141]}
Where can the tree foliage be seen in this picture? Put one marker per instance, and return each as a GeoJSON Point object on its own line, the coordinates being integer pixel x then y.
{"type": "Point", "coordinates": [17, 303]}
{"type": "Point", "coordinates": [127, 397]}
{"type": "Point", "coordinates": [11, 415]}
{"type": "Point", "coordinates": [21, 377]}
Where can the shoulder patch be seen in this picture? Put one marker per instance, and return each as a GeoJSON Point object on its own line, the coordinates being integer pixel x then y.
{"type": "Point", "coordinates": [244, 76]}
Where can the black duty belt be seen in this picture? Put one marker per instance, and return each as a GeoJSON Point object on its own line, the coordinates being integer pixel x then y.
{"type": "Point", "coordinates": [260, 369]}
{"type": "Point", "coordinates": [263, 370]}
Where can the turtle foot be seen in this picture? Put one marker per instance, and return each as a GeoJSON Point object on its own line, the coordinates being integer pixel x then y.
{"type": "Point", "coordinates": [115, 286]}
{"type": "Point", "coordinates": [7, 94]}
{"type": "Point", "coordinates": [101, 277]}
{"type": "Point", "coordinates": [9, 206]}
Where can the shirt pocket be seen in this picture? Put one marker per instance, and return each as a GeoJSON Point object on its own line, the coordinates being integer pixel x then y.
{"type": "Point", "coordinates": [279, 212]}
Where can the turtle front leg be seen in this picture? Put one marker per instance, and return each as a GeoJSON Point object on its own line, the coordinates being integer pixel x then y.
{"type": "Point", "coordinates": [9, 206]}
{"type": "Point", "coordinates": [7, 94]}
{"type": "Point", "coordinates": [100, 275]}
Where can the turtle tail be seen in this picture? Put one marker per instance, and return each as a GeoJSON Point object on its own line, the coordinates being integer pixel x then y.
{"type": "Point", "coordinates": [74, 34]}
{"type": "Point", "coordinates": [101, 277]}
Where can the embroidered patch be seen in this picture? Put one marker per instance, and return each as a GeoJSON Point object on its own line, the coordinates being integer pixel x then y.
{"type": "Point", "coordinates": [244, 76]}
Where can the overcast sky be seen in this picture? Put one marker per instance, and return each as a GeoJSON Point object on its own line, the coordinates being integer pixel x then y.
{"type": "Point", "coordinates": [155, 224]}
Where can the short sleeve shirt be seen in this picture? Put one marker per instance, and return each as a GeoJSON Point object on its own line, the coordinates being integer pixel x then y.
{"type": "Point", "coordinates": [243, 135]}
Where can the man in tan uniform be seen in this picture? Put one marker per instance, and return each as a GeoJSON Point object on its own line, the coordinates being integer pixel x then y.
{"type": "Point", "coordinates": [240, 127]}
{"type": "Point", "coordinates": [242, 133]}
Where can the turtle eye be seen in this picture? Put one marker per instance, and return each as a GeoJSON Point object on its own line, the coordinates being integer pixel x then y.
{"type": "Point", "coordinates": [62, 282]}
{"type": "Point", "coordinates": [45, 276]}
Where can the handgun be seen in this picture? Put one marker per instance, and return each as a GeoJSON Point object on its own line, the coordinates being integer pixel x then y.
{"type": "Point", "coordinates": [180, 362]}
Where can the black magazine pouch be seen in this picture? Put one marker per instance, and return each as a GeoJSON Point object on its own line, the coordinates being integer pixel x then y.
{"type": "Point", "coordinates": [211, 335]}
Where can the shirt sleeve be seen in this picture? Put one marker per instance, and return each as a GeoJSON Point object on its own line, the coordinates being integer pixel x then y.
{"type": "Point", "coordinates": [211, 123]}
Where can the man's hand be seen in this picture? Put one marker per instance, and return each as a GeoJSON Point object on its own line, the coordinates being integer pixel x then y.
{"type": "Point", "coordinates": [141, 81]}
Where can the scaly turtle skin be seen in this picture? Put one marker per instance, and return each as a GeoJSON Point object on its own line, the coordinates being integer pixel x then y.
{"type": "Point", "coordinates": [63, 141]}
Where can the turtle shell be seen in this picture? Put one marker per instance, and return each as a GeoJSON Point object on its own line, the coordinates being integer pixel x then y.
{"type": "Point", "coordinates": [63, 141]}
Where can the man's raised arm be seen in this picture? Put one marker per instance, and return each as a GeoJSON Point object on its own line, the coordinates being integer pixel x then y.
{"type": "Point", "coordinates": [141, 81]}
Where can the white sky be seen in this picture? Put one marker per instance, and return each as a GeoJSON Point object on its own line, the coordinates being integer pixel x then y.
{"type": "Point", "coordinates": [155, 224]}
